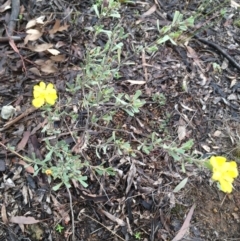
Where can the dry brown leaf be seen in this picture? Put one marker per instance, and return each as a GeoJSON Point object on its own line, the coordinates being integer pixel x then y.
{"type": "Point", "coordinates": [181, 132]}
{"type": "Point", "coordinates": [40, 19]}
{"type": "Point", "coordinates": [41, 47]}
{"type": "Point", "coordinates": [58, 58]}
{"type": "Point", "coordinates": [27, 167]}
{"type": "Point", "coordinates": [63, 27]}
{"type": "Point", "coordinates": [23, 220]}
{"type": "Point", "coordinates": [55, 28]}
{"type": "Point", "coordinates": [58, 28]}
{"type": "Point", "coordinates": [206, 148]}
{"type": "Point", "coordinates": [60, 44]}
{"type": "Point", "coordinates": [24, 140]}
{"type": "Point", "coordinates": [33, 34]}
{"type": "Point", "coordinates": [113, 218]}
{"type": "Point", "coordinates": [31, 23]}
{"type": "Point", "coordinates": [48, 68]}
{"type": "Point", "coordinates": [185, 226]}
{"type": "Point", "coordinates": [217, 133]}
{"type": "Point", "coordinates": [32, 31]}
{"type": "Point", "coordinates": [5, 6]}
{"type": "Point", "coordinates": [131, 175]}
{"type": "Point", "coordinates": [150, 11]}
{"type": "Point", "coordinates": [233, 82]}
{"type": "Point", "coordinates": [35, 71]}
{"type": "Point", "coordinates": [4, 214]}
{"type": "Point", "coordinates": [53, 51]}
{"type": "Point", "coordinates": [191, 53]}
{"type": "Point", "coordinates": [39, 61]}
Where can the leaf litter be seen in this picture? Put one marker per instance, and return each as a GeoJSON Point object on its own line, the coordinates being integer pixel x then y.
{"type": "Point", "coordinates": [130, 201]}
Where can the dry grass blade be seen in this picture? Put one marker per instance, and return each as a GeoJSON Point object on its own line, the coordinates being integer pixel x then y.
{"type": "Point", "coordinates": [113, 218]}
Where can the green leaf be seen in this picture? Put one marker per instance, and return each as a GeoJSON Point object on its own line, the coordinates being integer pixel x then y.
{"type": "Point", "coordinates": [82, 180]}
{"type": "Point", "coordinates": [129, 112]}
{"type": "Point", "coordinates": [118, 46]}
{"type": "Point", "coordinates": [181, 185]}
{"type": "Point", "coordinates": [110, 171]}
{"type": "Point", "coordinates": [48, 156]}
{"type": "Point", "coordinates": [177, 18]}
{"type": "Point", "coordinates": [99, 171]}
{"type": "Point", "coordinates": [56, 187]}
{"type": "Point", "coordinates": [189, 21]}
{"type": "Point", "coordinates": [165, 29]}
{"type": "Point", "coordinates": [115, 15]}
{"type": "Point", "coordinates": [146, 150]}
{"type": "Point", "coordinates": [172, 41]}
{"type": "Point", "coordinates": [208, 165]}
{"type": "Point", "coordinates": [95, 8]}
{"type": "Point", "coordinates": [164, 39]}
{"type": "Point", "coordinates": [152, 49]}
{"type": "Point", "coordinates": [187, 145]}
{"type": "Point", "coordinates": [107, 118]}
{"type": "Point", "coordinates": [175, 156]}
{"type": "Point", "coordinates": [137, 94]}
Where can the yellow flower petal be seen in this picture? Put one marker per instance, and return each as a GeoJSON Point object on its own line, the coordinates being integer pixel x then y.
{"type": "Point", "coordinates": [233, 171]}
{"type": "Point", "coordinates": [216, 175]}
{"type": "Point", "coordinates": [51, 99]}
{"type": "Point", "coordinates": [50, 86]}
{"type": "Point", "coordinates": [38, 90]}
{"type": "Point", "coordinates": [225, 186]}
{"type": "Point", "coordinates": [42, 85]}
{"type": "Point", "coordinates": [38, 94]}
{"type": "Point", "coordinates": [217, 161]}
{"type": "Point", "coordinates": [38, 102]}
{"type": "Point", "coordinates": [44, 93]}
{"type": "Point", "coordinates": [224, 172]}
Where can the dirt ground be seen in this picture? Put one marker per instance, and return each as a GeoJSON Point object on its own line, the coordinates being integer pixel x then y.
{"type": "Point", "coordinates": [195, 80]}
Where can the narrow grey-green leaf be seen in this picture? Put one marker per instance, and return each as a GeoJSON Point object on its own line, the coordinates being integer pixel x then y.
{"type": "Point", "coordinates": [181, 185]}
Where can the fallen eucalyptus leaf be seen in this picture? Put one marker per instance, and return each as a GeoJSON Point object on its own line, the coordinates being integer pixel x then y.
{"type": "Point", "coordinates": [23, 220]}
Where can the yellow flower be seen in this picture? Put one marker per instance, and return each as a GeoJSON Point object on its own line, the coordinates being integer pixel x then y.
{"type": "Point", "coordinates": [224, 172]}
{"type": "Point", "coordinates": [44, 94]}
{"type": "Point", "coordinates": [48, 172]}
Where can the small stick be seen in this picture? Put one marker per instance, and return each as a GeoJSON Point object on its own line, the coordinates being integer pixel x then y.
{"type": "Point", "coordinates": [25, 113]}
{"type": "Point", "coordinates": [15, 153]}
{"type": "Point", "coordinates": [72, 214]}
